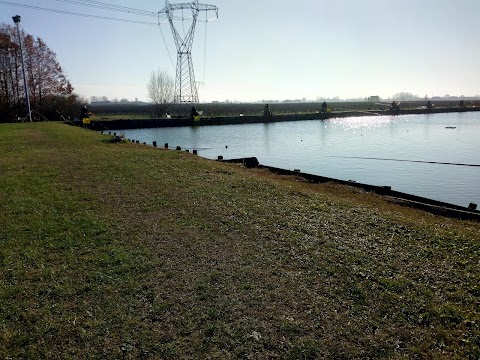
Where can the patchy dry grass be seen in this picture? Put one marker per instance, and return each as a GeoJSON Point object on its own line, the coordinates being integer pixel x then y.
{"type": "Point", "coordinates": [125, 251]}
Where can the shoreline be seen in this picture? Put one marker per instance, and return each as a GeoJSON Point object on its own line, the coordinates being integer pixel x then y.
{"type": "Point", "coordinates": [418, 202]}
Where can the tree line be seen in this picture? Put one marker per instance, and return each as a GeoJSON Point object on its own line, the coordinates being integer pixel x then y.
{"type": "Point", "coordinates": [50, 91]}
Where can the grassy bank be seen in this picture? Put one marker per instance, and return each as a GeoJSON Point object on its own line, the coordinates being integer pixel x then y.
{"type": "Point", "coordinates": [126, 251]}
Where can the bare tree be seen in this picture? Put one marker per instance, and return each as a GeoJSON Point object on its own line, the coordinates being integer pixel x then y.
{"type": "Point", "coordinates": [160, 90]}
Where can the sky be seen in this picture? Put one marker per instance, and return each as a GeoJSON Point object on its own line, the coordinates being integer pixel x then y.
{"type": "Point", "coordinates": [270, 49]}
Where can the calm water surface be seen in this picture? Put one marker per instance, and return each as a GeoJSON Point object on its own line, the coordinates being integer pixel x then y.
{"type": "Point", "coordinates": [337, 148]}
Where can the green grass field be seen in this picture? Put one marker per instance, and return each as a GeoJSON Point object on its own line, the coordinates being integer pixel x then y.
{"type": "Point", "coordinates": [127, 251]}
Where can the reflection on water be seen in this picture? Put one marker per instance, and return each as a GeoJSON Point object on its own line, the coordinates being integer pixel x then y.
{"type": "Point", "coordinates": [338, 147]}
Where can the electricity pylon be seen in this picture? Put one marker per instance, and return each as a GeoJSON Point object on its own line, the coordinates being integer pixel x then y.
{"type": "Point", "coordinates": [185, 86]}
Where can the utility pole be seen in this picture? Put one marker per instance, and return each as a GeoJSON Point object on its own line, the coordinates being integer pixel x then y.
{"type": "Point", "coordinates": [16, 20]}
{"type": "Point", "coordinates": [185, 86]}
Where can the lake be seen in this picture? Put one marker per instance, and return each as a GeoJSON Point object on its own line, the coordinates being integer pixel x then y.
{"type": "Point", "coordinates": [364, 149]}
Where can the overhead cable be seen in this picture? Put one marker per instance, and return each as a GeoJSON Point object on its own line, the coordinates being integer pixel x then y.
{"type": "Point", "coordinates": [77, 14]}
{"type": "Point", "coordinates": [111, 7]}
{"type": "Point", "coordinates": [165, 42]}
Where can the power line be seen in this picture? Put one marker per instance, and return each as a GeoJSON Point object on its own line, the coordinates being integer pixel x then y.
{"type": "Point", "coordinates": [165, 43]}
{"type": "Point", "coordinates": [77, 14]}
{"type": "Point", "coordinates": [98, 5]}
{"type": "Point", "coordinates": [112, 7]}
{"type": "Point", "coordinates": [128, 10]}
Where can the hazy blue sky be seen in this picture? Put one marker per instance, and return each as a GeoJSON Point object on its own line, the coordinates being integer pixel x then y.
{"type": "Point", "coordinates": [273, 49]}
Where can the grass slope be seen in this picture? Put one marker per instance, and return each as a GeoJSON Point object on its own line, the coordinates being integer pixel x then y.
{"type": "Point", "coordinates": [126, 251]}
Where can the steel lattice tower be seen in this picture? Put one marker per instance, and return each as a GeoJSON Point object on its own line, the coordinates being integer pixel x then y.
{"type": "Point", "coordinates": [185, 85]}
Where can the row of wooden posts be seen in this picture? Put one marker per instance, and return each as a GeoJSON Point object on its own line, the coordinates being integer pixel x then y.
{"type": "Point", "coordinates": [154, 144]}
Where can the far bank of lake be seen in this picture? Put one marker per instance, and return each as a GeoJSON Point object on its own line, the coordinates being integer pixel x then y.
{"type": "Point", "coordinates": [239, 119]}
